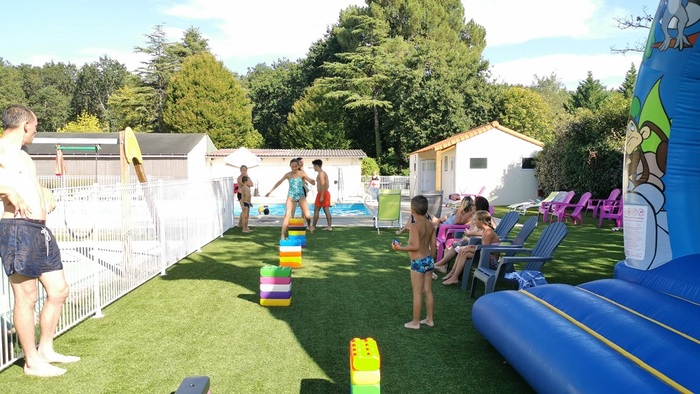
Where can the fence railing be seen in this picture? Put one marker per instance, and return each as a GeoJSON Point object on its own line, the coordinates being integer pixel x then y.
{"type": "Point", "coordinates": [390, 182]}
{"type": "Point", "coordinates": [113, 238]}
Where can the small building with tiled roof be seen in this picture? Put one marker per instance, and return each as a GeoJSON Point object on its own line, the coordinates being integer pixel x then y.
{"type": "Point", "coordinates": [165, 155]}
{"type": "Point", "coordinates": [343, 167]}
{"type": "Point", "coordinates": [492, 157]}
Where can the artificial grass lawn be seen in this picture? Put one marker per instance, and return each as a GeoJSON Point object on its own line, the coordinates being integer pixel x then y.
{"type": "Point", "coordinates": [203, 318]}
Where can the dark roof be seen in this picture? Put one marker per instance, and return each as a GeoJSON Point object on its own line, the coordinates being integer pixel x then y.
{"type": "Point", "coordinates": [452, 141]}
{"type": "Point", "coordinates": [305, 153]}
{"type": "Point", "coordinates": [151, 144]}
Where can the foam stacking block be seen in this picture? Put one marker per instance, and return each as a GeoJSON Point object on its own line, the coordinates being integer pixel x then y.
{"type": "Point", "coordinates": [297, 239]}
{"type": "Point", "coordinates": [291, 264]}
{"type": "Point", "coordinates": [194, 385]}
{"type": "Point", "coordinates": [273, 287]}
{"type": "Point", "coordinates": [275, 294]}
{"type": "Point", "coordinates": [275, 302]}
{"type": "Point", "coordinates": [274, 280]}
{"type": "Point", "coordinates": [296, 232]}
{"type": "Point", "coordinates": [290, 254]}
{"type": "Point", "coordinates": [287, 242]}
{"type": "Point", "coordinates": [290, 259]}
{"type": "Point", "coordinates": [296, 221]}
{"type": "Point", "coordinates": [364, 377]}
{"type": "Point", "coordinates": [275, 271]}
{"type": "Point", "coordinates": [365, 389]}
{"type": "Point", "coordinates": [364, 354]}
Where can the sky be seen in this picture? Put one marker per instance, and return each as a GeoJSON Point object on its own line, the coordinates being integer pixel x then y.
{"type": "Point", "coordinates": [524, 38]}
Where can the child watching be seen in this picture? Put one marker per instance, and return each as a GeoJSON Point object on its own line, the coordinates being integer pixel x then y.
{"type": "Point", "coordinates": [488, 237]}
{"type": "Point", "coordinates": [246, 184]}
{"type": "Point", "coordinates": [421, 250]}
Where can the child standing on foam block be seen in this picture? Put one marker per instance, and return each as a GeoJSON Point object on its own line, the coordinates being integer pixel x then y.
{"type": "Point", "coordinates": [421, 250]}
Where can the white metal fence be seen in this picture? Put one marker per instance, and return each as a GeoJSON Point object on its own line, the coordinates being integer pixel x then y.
{"type": "Point", "coordinates": [114, 238]}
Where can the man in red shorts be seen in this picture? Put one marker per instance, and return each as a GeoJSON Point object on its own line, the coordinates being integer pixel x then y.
{"type": "Point", "coordinates": [323, 197]}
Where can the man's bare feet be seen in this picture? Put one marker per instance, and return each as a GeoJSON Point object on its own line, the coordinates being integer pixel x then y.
{"type": "Point", "coordinates": [450, 282]}
{"type": "Point", "coordinates": [441, 268]}
{"type": "Point", "coordinates": [328, 228]}
{"type": "Point", "coordinates": [427, 322]}
{"type": "Point", "coordinates": [412, 325]}
{"type": "Point", "coordinates": [43, 369]}
{"type": "Point", "coordinates": [312, 229]}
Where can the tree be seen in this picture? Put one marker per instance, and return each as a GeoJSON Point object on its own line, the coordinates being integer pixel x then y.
{"type": "Point", "coordinates": [85, 123]}
{"type": "Point", "coordinates": [157, 71]}
{"type": "Point", "coordinates": [132, 106]}
{"type": "Point", "coordinates": [95, 83]}
{"type": "Point", "coordinates": [273, 90]}
{"type": "Point", "coordinates": [10, 86]}
{"type": "Point", "coordinates": [360, 76]}
{"type": "Point", "coordinates": [526, 111]}
{"type": "Point", "coordinates": [192, 43]}
{"type": "Point", "coordinates": [589, 94]}
{"type": "Point", "coordinates": [627, 86]}
{"type": "Point", "coordinates": [316, 122]}
{"type": "Point", "coordinates": [642, 21]}
{"type": "Point", "coordinates": [204, 97]}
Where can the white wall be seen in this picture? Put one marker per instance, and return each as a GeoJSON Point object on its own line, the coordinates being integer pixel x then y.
{"type": "Point", "coordinates": [505, 181]}
{"type": "Point", "coordinates": [197, 166]}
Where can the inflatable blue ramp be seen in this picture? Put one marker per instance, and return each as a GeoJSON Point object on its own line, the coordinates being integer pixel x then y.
{"type": "Point", "coordinates": [639, 332]}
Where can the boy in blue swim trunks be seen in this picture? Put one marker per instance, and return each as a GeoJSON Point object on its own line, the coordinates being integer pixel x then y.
{"type": "Point", "coordinates": [421, 250]}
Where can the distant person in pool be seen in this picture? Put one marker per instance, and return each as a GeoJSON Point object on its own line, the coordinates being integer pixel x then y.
{"type": "Point", "coordinates": [323, 196]}
{"type": "Point", "coordinates": [295, 195]}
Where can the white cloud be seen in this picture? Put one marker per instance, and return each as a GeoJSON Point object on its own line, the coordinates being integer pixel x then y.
{"type": "Point", "coordinates": [509, 22]}
{"type": "Point", "coordinates": [256, 28]}
{"type": "Point", "coordinates": [569, 68]}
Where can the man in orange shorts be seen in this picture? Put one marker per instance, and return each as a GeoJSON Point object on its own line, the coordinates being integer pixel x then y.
{"type": "Point", "coordinates": [323, 197]}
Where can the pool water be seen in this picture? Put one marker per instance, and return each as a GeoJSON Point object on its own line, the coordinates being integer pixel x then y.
{"type": "Point", "coordinates": [344, 209]}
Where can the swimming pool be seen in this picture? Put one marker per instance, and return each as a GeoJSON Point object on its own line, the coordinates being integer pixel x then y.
{"type": "Point", "coordinates": [341, 209]}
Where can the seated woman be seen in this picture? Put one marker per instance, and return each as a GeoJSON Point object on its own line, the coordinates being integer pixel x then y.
{"type": "Point", "coordinates": [461, 215]}
{"type": "Point", "coordinates": [488, 237]}
{"type": "Point", "coordinates": [480, 204]}
{"type": "Point", "coordinates": [374, 184]}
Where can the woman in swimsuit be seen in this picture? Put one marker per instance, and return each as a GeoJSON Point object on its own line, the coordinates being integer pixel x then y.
{"type": "Point", "coordinates": [295, 195]}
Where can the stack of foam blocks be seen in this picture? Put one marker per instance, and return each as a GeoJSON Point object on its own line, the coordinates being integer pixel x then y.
{"type": "Point", "coordinates": [290, 253]}
{"type": "Point", "coordinates": [275, 286]}
{"type": "Point", "coordinates": [297, 231]}
{"type": "Point", "coordinates": [364, 366]}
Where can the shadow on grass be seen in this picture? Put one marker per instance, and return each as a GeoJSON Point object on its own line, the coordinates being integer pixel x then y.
{"type": "Point", "coordinates": [352, 285]}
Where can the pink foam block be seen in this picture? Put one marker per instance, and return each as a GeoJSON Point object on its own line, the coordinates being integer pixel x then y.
{"type": "Point", "coordinates": [272, 280]}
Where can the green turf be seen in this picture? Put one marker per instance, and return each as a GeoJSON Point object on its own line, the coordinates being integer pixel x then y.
{"type": "Point", "coordinates": [203, 318]}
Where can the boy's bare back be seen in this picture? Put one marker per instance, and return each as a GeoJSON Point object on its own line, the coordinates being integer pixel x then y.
{"type": "Point", "coordinates": [422, 232]}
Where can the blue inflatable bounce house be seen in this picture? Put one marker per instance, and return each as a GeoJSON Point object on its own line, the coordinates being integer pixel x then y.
{"type": "Point", "coordinates": [640, 331]}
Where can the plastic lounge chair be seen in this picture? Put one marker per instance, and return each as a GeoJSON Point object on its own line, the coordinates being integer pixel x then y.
{"type": "Point", "coordinates": [434, 203]}
{"type": "Point", "coordinates": [517, 242]}
{"type": "Point", "coordinates": [546, 207]}
{"type": "Point", "coordinates": [594, 204]}
{"type": "Point", "coordinates": [388, 208]}
{"type": "Point", "coordinates": [561, 211]}
{"type": "Point", "coordinates": [522, 207]}
{"type": "Point", "coordinates": [612, 211]}
{"type": "Point", "coordinates": [542, 252]}
{"type": "Point", "coordinates": [508, 221]}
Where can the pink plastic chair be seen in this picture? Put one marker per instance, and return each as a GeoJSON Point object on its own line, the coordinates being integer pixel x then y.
{"type": "Point", "coordinates": [594, 204]}
{"type": "Point", "coordinates": [612, 211]}
{"type": "Point", "coordinates": [546, 207]}
{"type": "Point", "coordinates": [560, 210]}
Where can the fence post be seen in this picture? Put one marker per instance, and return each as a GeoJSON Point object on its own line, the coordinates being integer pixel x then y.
{"type": "Point", "coordinates": [160, 233]}
{"type": "Point", "coordinates": [97, 295]}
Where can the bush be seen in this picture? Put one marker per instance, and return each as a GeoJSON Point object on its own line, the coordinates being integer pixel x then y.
{"type": "Point", "coordinates": [368, 166]}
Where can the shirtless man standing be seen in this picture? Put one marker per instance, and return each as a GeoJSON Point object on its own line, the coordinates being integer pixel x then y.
{"type": "Point", "coordinates": [27, 247]}
{"type": "Point", "coordinates": [323, 196]}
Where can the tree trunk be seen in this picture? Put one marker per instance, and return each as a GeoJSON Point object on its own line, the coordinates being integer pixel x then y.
{"type": "Point", "coordinates": [377, 137]}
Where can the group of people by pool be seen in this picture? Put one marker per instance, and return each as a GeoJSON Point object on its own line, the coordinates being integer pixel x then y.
{"type": "Point", "coordinates": [298, 190]}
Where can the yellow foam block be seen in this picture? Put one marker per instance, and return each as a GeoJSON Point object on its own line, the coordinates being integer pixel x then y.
{"type": "Point", "coordinates": [364, 354]}
{"type": "Point", "coordinates": [364, 377]}
{"type": "Point", "coordinates": [290, 259]}
{"type": "Point", "coordinates": [275, 301]}
{"type": "Point", "coordinates": [290, 264]}
{"type": "Point", "coordinates": [296, 221]}
{"type": "Point", "coordinates": [292, 232]}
